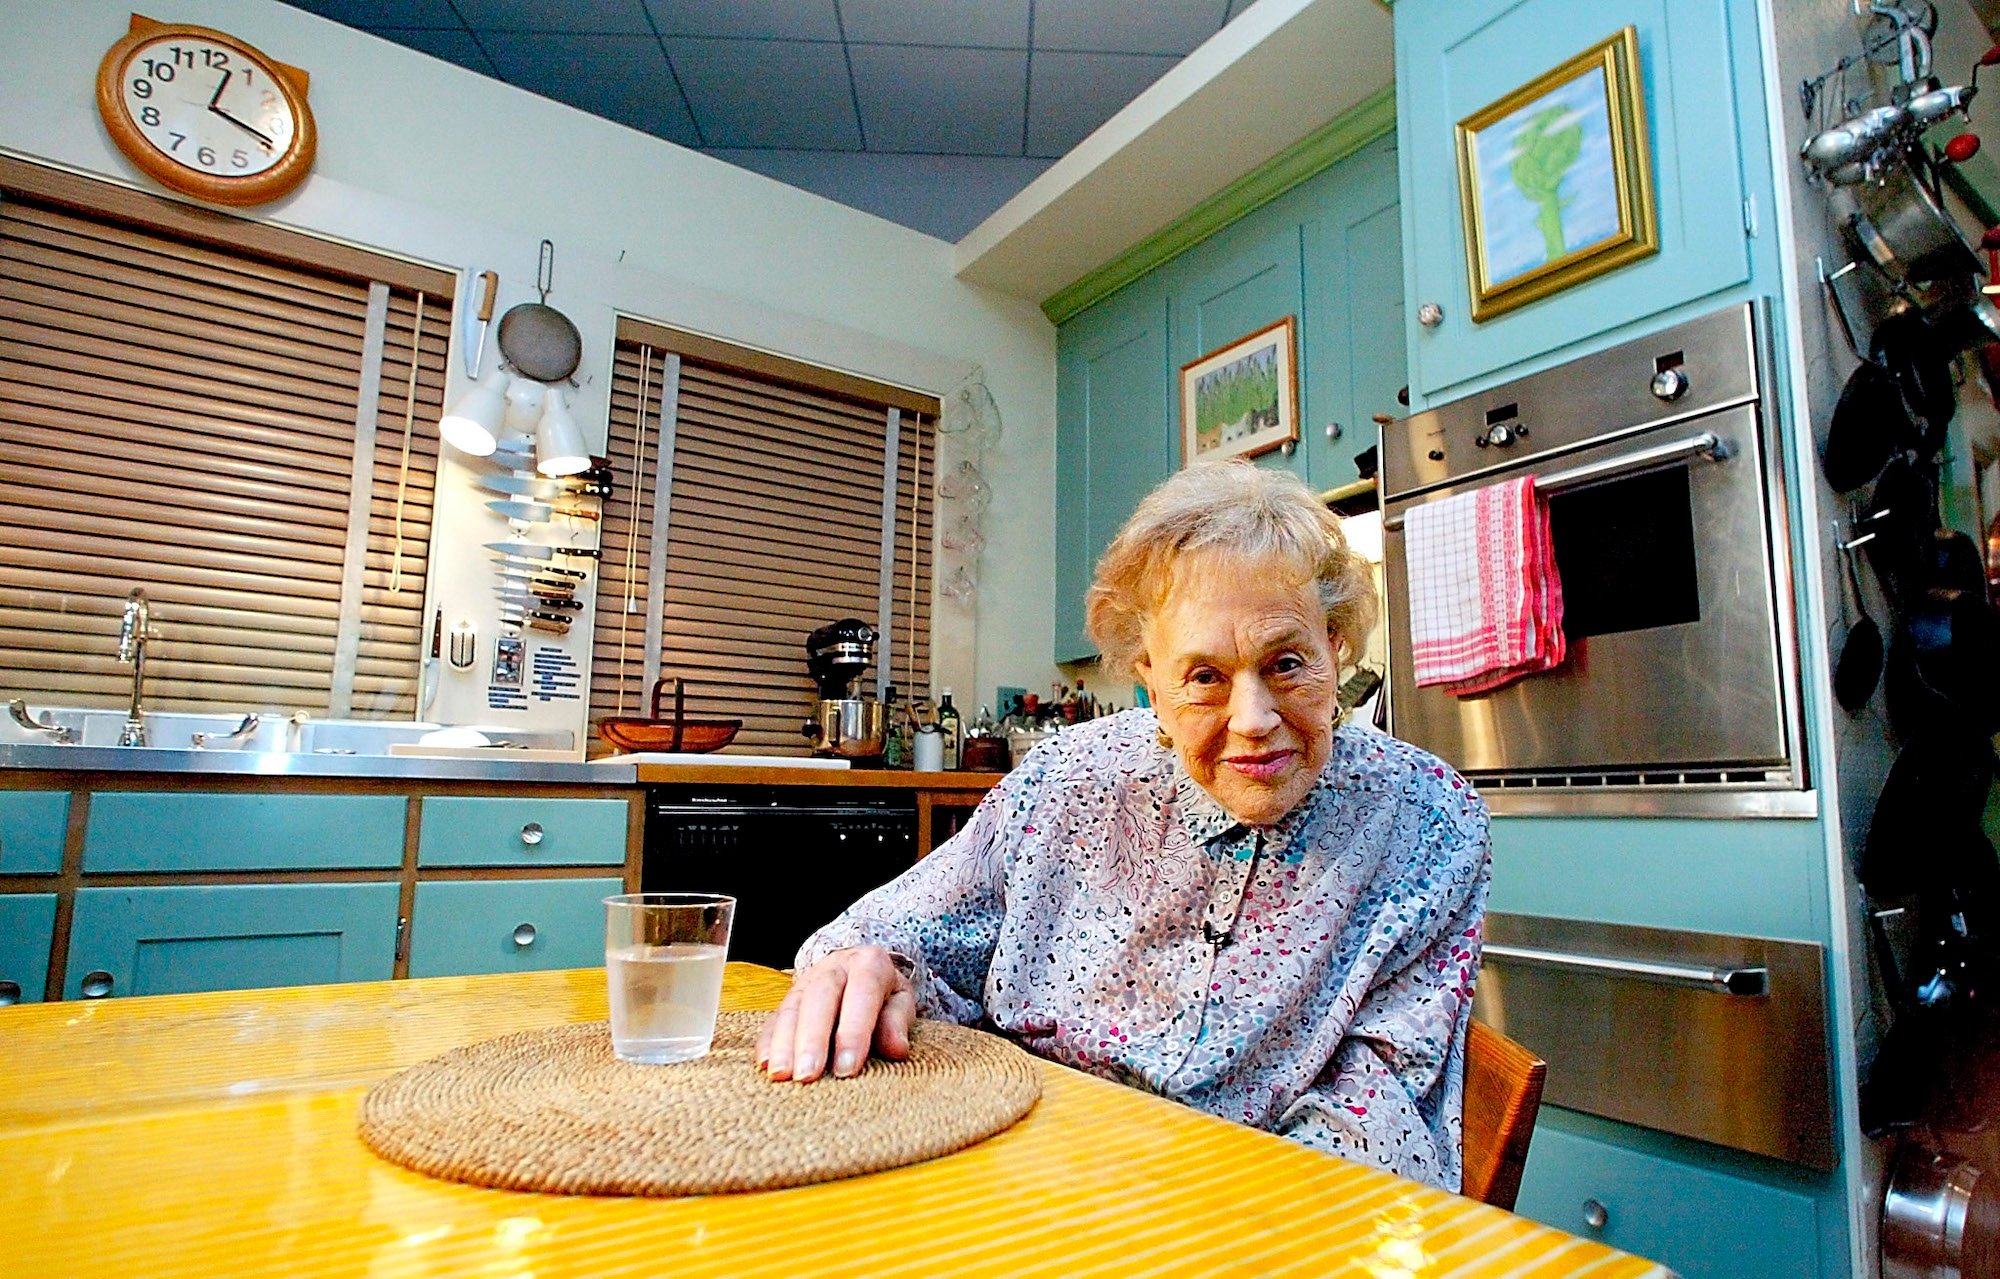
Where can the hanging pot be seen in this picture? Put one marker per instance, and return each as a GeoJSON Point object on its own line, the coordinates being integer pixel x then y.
{"type": "Point", "coordinates": [1902, 513]}
{"type": "Point", "coordinates": [1859, 667]}
{"type": "Point", "coordinates": [1898, 223]}
{"type": "Point", "coordinates": [1942, 665]}
{"type": "Point", "coordinates": [1870, 422]}
{"type": "Point", "coordinates": [1918, 357]}
{"type": "Point", "coordinates": [1937, 783]}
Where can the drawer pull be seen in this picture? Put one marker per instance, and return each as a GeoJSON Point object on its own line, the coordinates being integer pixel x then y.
{"type": "Point", "coordinates": [1595, 1214]}
{"type": "Point", "coordinates": [1747, 980]}
{"type": "Point", "coordinates": [531, 834]}
{"type": "Point", "coordinates": [524, 935]}
{"type": "Point", "coordinates": [96, 984]}
{"type": "Point", "coordinates": [10, 993]}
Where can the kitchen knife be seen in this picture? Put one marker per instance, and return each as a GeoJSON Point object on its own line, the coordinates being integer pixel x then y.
{"type": "Point", "coordinates": [427, 680]}
{"type": "Point", "coordinates": [490, 281]}
{"type": "Point", "coordinates": [539, 621]}
{"type": "Point", "coordinates": [537, 551]}
{"type": "Point", "coordinates": [536, 489]}
{"type": "Point", "coordinates": [539, 512]}
{"type": "Point", "coordinates": [523, 579]}
{"type": "Point", "coordinates": [526, 600]}
{"type": "Point", "coordinates": [509, 564]}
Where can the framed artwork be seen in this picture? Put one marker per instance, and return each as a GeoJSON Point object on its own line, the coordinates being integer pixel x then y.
{"type": "Point", "coordinates": [1556, 180]}
{"type": "Point", "coordinates": [1242, 399]}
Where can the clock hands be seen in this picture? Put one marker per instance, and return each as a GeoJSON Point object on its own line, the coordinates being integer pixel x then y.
{"type": "Point", "coordinates": [261, 137]}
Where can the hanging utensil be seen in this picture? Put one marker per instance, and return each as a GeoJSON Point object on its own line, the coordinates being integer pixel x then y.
{"type": "Point", "coordinates": [539, 512]}
{"type": "Point", "coordinates": [537, 551]}
{"type": "Point", "coordinates": [475, 341]}
{"type": "Point", "coordinates": [427, 681]}
{"type": "Point", "coordinates": [464, 649]}
{"type": "Point", "coordinates": [527, 599]}
{"type": "Point", "coordinates": [1859, 667]}
{"type": "Point", "coordinates": [536, 489]}
{"type": "Point", "coordinates": [538, 340]}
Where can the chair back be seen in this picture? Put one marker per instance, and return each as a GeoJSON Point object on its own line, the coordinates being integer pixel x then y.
{"type": "Point", "coordinates": [1503, 1091]}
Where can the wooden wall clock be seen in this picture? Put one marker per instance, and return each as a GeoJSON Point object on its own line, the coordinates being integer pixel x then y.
{"type": "Point", "coordinates": [205, 113]}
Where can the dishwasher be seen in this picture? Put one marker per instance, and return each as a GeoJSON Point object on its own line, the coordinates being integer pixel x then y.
{"type": "Point", "coordinates": [793, 857]}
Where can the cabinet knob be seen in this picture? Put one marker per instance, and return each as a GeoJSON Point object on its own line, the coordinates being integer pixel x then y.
{"type": "Point", "coordinates": [1595, 1214]}
{"type": "Point", "coordinates": [531, 834]}
{"type": "Point", "coordinates": [1333, 431]}
{"type": "Point", "coordinates": [1430, 315]}
{"type": "Point", "coordinates": [10, 993]}
{"type": "Point", "coordinates": [524, 935]}
{"type": "Point", "coordinates": [1289, 447]}
{"type": "Point", "coordinates": [96, 984]}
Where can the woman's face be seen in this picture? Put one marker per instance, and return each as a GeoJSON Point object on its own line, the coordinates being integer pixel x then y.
{"type": "Point", "coordinates": [1242, 675]}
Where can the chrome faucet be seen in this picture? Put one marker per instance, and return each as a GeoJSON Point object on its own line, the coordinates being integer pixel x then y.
{"type": "Point", "coordinates": [133, 632]}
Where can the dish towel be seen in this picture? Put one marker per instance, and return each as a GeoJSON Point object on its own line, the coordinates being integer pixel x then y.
{"type": "Point", "coordinates": [1485, 598]}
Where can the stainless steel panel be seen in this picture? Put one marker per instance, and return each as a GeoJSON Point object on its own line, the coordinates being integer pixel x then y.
{"type": "Point", "coordinates": [1639, 1025]}
{"type": "Point", "coordinates": [1565, 408]}
{"type": "Point", "coordinates": [1704, 693]}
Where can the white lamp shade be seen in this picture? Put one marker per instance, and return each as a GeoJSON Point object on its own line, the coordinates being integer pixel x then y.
{"type": "Point", "coordinates": [525, 398]}
{"type": "Point", "coordinates": [473, 425]}
{"type": "Point", "coordinates": [559, 448]}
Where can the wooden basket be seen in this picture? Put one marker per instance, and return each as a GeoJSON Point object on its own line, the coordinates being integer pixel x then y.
{"type": "Point", "coordinates": [681, 734]}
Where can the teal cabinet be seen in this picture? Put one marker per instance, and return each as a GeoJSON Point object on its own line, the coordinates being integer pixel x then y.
{"type": "Point", "coordinates": [466, 831]}
{"type": "Point", "coordinates": [136, 832]}
{"type": "Point", "coordinates": [1702, 1221]}
{"type": "Point", "coordinates": [167, 941]}
{"type": "Point", "coordinates": [508, 926]}
{"type": "Point", "coordinates": [1702, 88]}
{"type": "Point", "coordinates": [27, 923]}
{"type": "Point", "coordinates": [1115, 437]}
{"type": "Point", "coordinates": [32, 826]}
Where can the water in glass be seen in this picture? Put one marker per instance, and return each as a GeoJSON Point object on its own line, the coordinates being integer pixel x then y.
{"type": "Point", "coordinates": [663, 1000]}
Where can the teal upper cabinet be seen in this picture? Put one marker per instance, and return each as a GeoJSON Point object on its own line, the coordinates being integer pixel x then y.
{"type": "Point", "coordinates": [1114, 437]}
{"type": "Point", "coordinates": [1454, 58]}
{"type": "Point", "coordinates": [154, 831]}
{"type": "Point", "coordinates": [32, 825]}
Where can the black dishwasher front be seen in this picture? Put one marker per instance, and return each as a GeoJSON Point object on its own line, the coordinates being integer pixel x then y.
{"type": "Point", "coordinates": [793, 857]}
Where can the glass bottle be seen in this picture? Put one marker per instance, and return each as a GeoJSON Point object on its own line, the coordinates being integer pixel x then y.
{"type": "Point", "coordinates": [895, 752]}
{"type": "Point", "coordinates": [949, 726]}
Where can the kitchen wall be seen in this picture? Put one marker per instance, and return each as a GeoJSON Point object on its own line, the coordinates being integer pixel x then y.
{"type": "Point", "coordinates": [422, 159]}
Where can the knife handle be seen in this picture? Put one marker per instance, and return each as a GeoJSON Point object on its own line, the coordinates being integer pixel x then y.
{"type": "Point", "coordinates": [581, 552]}
{"type": "Point", "coordinates": [490, 280]}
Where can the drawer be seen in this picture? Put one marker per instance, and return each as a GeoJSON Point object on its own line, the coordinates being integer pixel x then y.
{"type": "Point", "coordinates": [154, 831]}
{"type": "Point", "coordinates": [507, 926]}
{"type": "Point", "coordinates": [32, 826]}
{"type": "Point", "coordinates": [27, 923]}
{"type": "Point", "coordinates": [1703, 1222]}
{"type": "Point", "coordinates": [462, 831]}
{"type": "Point", "coordinates": [169, 941]}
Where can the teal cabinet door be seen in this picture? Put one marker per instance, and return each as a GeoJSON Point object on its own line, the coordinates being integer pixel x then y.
{"type": "Point", "coordinates": [1704, 1223]}
{"type": "Point", "coordinates": [1703, 94]}
{"type": "Point", "coordinates": [156, 831]}
{"type": "Point", "coordinates": [1114, 437]}
{"type": "Point", "coordinates": [1352, 359]}
{"type": "Point", "coordinates": [464, 831]}
{"type": "Point", "coordinates": [508, 926]}
{"type": "Point", "coordinates": [169, 941]}
{"type": "Point", "coordinates": [32, 826]}
{"type": "Point", "coordinates": [27, 923]}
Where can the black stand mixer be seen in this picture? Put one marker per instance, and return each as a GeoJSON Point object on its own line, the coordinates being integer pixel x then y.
{"type": "Point", "coordinates": [842, 723]}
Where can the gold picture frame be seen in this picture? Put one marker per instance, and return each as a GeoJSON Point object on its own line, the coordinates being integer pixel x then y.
{"type": "Point", "coordinates": [1242, 398]}
{"type": "Point", "coordinates": [1573, 142]}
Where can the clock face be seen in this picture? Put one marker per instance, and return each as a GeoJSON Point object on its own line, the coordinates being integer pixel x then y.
{"type": "Point", "coordinates": [208, 107]}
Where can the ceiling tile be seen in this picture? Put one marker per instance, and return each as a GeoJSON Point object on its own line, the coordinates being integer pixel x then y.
{"type": "Point", "coordinates": [1072, 93]}
{"type": "Point", "coordinates": [621, 16]}
{"type": "Point", "coordinates": [747, 19]}
{"type": "Point", "coordinates": [942, 101]}
{"type": "Point", "coordinates": [650, 108]}
{"type": "Point", "coordinates": [544, 62]}
{"type": "Point", "coordinates": [992, 24]}
{"type": "Point", "coordinates": [452, 46]}
{"type": "Point", "coordinates": [383, 13]}
{"type": "Point", "coordinates": [768, 93]}
{"type": "Point", "coordinates": [1120, 26]}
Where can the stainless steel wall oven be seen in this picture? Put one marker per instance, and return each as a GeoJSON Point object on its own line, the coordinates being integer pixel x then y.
{"type": "Point", "coordinates": [1671, 538]}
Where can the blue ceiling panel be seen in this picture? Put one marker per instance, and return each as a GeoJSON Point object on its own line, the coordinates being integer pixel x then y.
{"type": "Point", "coordinates": [991, 24]}
{"type": "Point", "coordinates": [625, 17]}
{"type": "Point", "coordinates": [1120, 26]}
{"type": "Point", "coordinates": [900, 88]}
{"type": "Point", "coordinates": [748, 19]}
{"type": "Point", "coordinates": [452, 46]}
{"type": "Point", "coordinates": [768, 93]}
{"type": "Point", "coordinates": [382, 13]}
{"type": "Point", "coordinates": [544, 62]}
{"type": "Point", "coordinates": [1070, 94]}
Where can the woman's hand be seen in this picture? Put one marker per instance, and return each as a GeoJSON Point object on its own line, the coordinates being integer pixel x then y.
{"type": "Point", "coordinates": [852, 999]}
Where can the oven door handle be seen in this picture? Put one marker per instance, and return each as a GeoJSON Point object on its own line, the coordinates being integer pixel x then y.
{"type": "Point", "coordinates": [1748, 980]}
{"type": "Point", "coordinates": [1708, 444]}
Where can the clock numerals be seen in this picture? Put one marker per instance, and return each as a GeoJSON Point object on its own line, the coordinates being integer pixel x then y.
{"type": "Point", "coordinates": [206, 110]}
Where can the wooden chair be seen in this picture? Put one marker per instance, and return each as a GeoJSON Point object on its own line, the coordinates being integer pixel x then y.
{"type": "Point", "coordinates": [1503, 1091]}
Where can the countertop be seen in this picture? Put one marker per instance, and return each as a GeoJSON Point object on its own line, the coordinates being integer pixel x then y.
{"type": "Point", "coordinates": [215, 1134]}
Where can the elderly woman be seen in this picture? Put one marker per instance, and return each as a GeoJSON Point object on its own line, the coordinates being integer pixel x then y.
{"type": "Point", "coordinates": [1231, 899]}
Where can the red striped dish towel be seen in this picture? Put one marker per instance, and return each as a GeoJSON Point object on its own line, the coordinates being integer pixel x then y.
{"type": "Point", "coordinates": [1485, 599]}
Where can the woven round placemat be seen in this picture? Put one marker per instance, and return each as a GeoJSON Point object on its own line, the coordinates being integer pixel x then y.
{"type": "Point", "coordinates": [553, 1110]}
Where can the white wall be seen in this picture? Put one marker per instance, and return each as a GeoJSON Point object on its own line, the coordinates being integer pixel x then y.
{"type": "Point", "coordinates": [428, 161]}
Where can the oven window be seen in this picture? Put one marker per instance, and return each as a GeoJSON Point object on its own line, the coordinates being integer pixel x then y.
{"type": "Point", "coordinates": [1625, 550]}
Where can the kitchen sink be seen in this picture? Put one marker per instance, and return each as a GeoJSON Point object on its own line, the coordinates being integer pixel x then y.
{"type": "Point", "coordinates": [275, 731]}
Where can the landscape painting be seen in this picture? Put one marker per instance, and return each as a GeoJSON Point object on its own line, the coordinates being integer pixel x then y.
{"type": "Point", "coordinates": [1241, 399]}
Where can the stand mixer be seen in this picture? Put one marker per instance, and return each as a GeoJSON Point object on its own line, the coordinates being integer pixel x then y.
{"type": "Point", "coordinates": [842, 723]}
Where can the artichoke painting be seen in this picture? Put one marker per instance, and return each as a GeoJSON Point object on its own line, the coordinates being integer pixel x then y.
{"type": "Point", "coordinates": [1549, 147]}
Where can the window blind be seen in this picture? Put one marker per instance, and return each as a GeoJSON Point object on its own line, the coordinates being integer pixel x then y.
{"type": "Point", "coordinates": [774, 527]}
{"type": "Point", "coordinates": [183, 415]}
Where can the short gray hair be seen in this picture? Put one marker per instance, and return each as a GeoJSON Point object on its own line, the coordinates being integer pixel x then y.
{"type": "Point", "coordinates": [1236, 509]}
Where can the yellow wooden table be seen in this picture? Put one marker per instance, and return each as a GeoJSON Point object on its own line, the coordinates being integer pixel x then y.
{"type": "Point", "coordinates": [214, 1135]}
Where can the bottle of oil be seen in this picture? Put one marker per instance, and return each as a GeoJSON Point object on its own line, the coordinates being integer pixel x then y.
{"type": "Point", "coordinates": [948, 725]}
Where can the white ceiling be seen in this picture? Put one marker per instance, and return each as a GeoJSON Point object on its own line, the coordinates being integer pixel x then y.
{"type": "Point", "coordinates": [928, 112]}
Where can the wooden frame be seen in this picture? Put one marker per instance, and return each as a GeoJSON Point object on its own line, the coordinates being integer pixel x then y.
{"type": "Point", "coordinates": [1572, 141]}
{"type": "Point", "coordinates": [281, 177]}
{"type": "Point", "coordinates": [1227, 408]}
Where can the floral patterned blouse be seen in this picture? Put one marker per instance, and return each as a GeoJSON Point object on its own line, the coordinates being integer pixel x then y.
{"type": "Point", "coordinates": [1312, 978]}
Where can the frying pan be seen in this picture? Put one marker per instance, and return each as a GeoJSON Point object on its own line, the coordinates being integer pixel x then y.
{"type": "Point", "coordinates": [1935, 785]}
{"type": "Point", "coordinates": [538, 340]}
{"type": "Point", "coordinates": [1859, 667]}
{"type": "Point", "coordinates": [1918, 356]}
{"type": "Point", "coordinates": [1902, 512]}
{"type": "Point", "coordinates": [1939, 681]}
{"type": "Point", "coordinates": [1870, 421]}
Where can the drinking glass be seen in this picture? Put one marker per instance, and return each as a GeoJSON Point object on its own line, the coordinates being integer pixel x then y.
{"type": "Point", "coordinates": [663, 957]}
